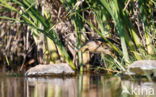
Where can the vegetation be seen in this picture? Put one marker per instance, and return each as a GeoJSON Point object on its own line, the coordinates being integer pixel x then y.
{"type": "Point", "coordinates": [52, 31]}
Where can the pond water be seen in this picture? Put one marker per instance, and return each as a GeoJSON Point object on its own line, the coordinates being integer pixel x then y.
{"type": "Point", "coordinates": [78, 86]}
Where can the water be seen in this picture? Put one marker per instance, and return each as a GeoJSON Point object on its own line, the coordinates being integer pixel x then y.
{"type": "Point", "coordinates": [78, 86]}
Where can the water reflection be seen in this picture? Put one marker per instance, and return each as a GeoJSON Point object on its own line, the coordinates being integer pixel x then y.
{"type": "Point", "coordinates": [12, 87]}
{"type": "Point", "coordinates": [79, 86]}
{"type": "Point", "coordinates": [51, 87]}
{"type": "Point", "coordinates": [138, 89]}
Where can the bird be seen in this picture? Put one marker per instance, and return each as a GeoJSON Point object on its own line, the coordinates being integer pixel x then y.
{"type": "Point", "coordinates": [99, 46]}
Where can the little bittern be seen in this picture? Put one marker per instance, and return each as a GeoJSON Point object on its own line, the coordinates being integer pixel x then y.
{"type": "Point", "coordinates": [98, 46]}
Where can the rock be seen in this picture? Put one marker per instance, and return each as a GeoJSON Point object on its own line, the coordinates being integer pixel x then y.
{"type": "Point", "coordinates": [50, 69]}
{"type": "Point", "coordinates": [142, 67]}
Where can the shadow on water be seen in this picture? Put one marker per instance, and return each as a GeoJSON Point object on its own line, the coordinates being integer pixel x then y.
{"type": "Point", "coordinates": [79, 86]}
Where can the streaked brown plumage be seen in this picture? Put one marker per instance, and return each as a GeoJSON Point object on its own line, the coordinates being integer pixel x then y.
{"type": "Point", "coordinates": [98, 46]}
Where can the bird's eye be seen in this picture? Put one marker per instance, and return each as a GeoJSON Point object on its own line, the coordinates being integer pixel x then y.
{"type": "Point", "coordinates": [105, 48]}
{"type": "Point", "coordinates": [86, 49]}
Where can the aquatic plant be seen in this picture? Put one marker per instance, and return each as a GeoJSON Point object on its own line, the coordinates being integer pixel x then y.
{"type": "Point", "coordinates": [60, 28]}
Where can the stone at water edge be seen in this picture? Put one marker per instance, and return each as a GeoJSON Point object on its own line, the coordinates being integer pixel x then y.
{"type": "Point", "coordinates": [141, 67]}
{"type": "Point", "coordinates": [50, 69]}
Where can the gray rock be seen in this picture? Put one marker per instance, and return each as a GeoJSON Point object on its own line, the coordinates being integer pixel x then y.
{"type": "Point", "coordinates": [50, 69]}
{"type": "Point", "coordinates": [142, 67]}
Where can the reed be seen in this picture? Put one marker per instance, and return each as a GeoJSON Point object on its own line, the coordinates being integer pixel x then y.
{"type": "Point", "coordinates": [33, 18]}
{"type": "Point", "coordinates": [129, 23]}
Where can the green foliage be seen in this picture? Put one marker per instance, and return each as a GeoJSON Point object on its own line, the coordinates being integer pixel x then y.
{"type": "Point", "coordinates": [32, 17]}
{"type": "Point", "coordinates": [133, 23]}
